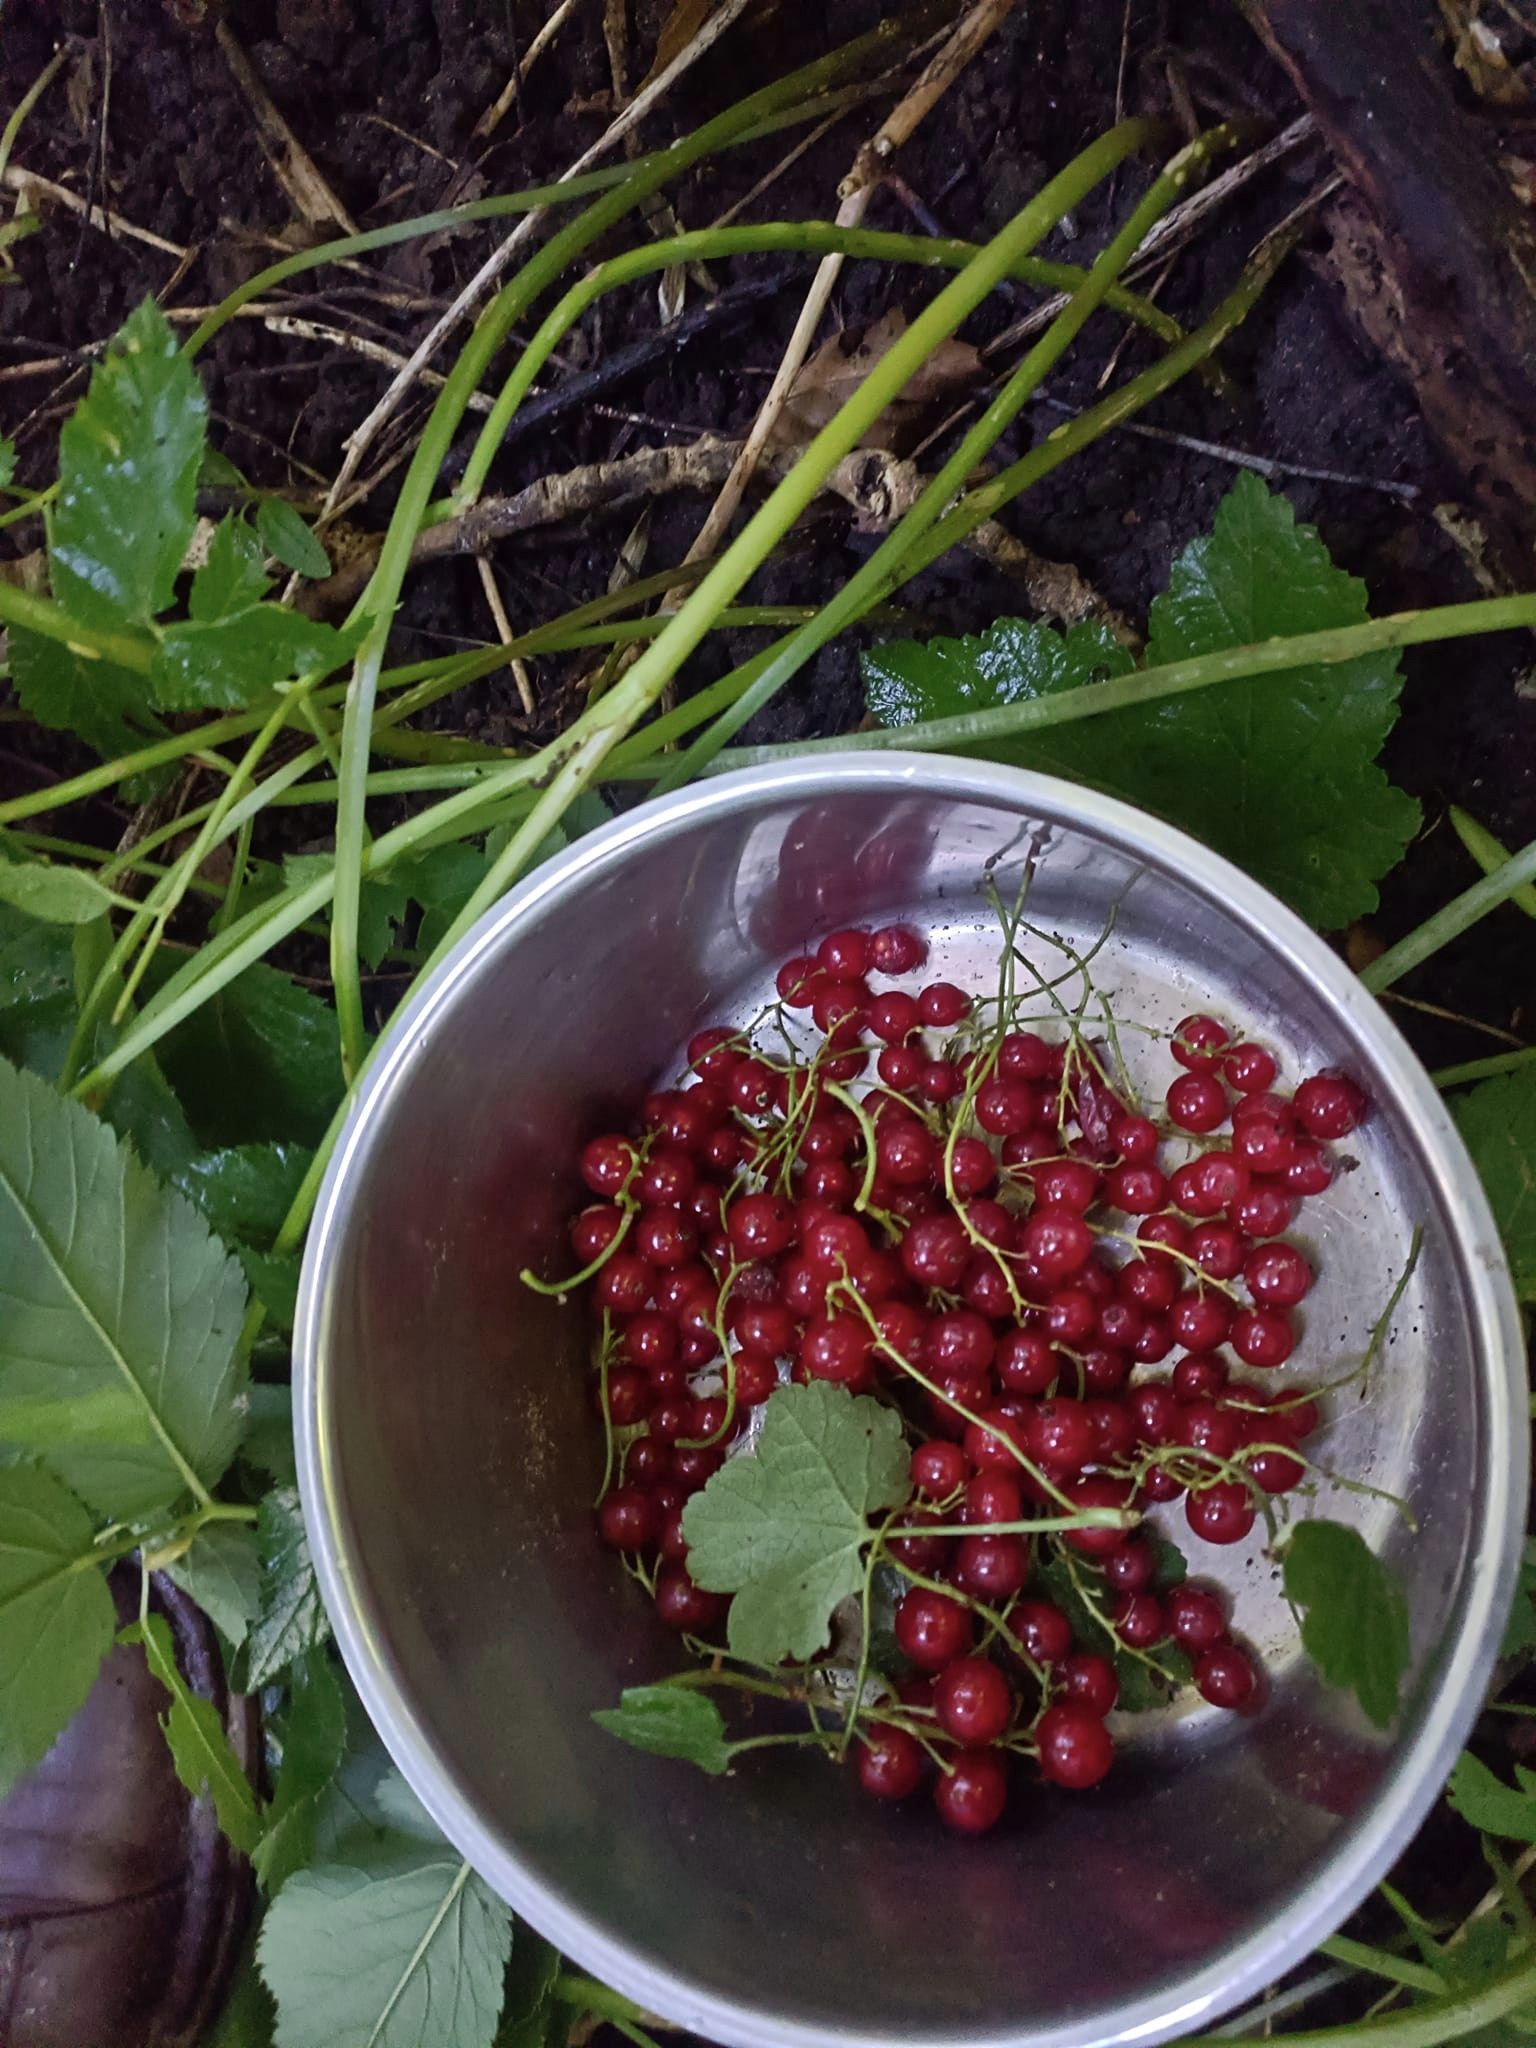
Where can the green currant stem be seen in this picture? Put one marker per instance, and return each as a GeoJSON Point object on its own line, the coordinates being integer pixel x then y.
{"type": "Point", "coordinates": [1434, 2021]}
{"type": "Point", "coordinates": [1486, 1069]}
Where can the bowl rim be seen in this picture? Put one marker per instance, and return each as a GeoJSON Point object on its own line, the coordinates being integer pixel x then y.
{"type": "Point", "coordinates": [1235, 1971]}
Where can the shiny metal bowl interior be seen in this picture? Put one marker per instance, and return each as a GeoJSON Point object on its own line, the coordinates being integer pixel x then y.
{"type": "Point", "coordinates": [448, 1450]}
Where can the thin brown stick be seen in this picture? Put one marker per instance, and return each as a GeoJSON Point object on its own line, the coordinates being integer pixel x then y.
{"type": "Point", "coordinates": [31, 186]}
{"type": "Point", "coordinates": [491, 269]}
{"type": "Point", "coordinates": [291, 163]}
{"type": "Point", "coordinates": [358, 344]}
{"type": "Point", "coordinates": [503, 627]}
{"type": "Point", "coordinates": [498, 110]}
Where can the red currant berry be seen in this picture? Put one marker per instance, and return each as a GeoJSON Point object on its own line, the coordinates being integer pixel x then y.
{"type": "Point", "coordinates": [1114, 1434]}
{"type": "Point", "coordinates": [1221, 1513]}
{"type": "Point", "coordinates": [1213, 1182]}
{"type": "Point", "coordinates": [1198, 1376]}
{"type": "Point", "coordinates": [1225, 1676]}
{"type": "Point", "coordinates": [683, 1605]}
{"type": "Point", "coordinates": [972, 1701]}
{"type": "Point", "coordinates": [972, 1169]}
{"type": "Point", "coordinates": [1249, 1068]}
{"type": "Point", "coordinates": [959, 1341]}
{"type": "Point", "coordinates": [844, 956]}
{"type": "Point", "coordinates": [1262, 1145]}
{"type": "Point", "coordinates": [839, 1009]}
{"type": "Point", "coordinates": [756, 1378]}
{"type": "Point", "coordinates": [992, 1497]}
{"type": "Point", "coordinates": [832, 1244]}
{"type": "Point", "coordinates": [1310, 1170]}
{"type": "Point", "coordinates": [1025, 1363]}
{"type": "Point", "coordinates": [1096, 1490]}
{"type": "Point", "coordinates": [624, 1284]}
{"type": "Point", "coordinates": [1277, 1275]}
{"type": "Point", "coordinates": [1138, 1619]}
{"type": "Point", "coordinates": [1275, 1471]}
{"type": "Point", "coordinates": [1207, 1426]}
{"type": "Point", "coordinates": [932, 1629]}
{"type": "Point", "coordinates": [1155, 1413]}
{"type": "Point", "coordinates": [940, 1081]}
{"type": "Point", "coordinates": [667, 1178]}
{"type": "Point", "coordinates": [991, 1568]}
{"type": "Point", "coordinates": [1134, 1139]}
{"type": "Point", "coordinates": [1200, 1320]}
{"type": "Point", "coordinates": [628, 1519]}
{"type": "Point", "coordinates": [1196, 1617]}
{"type": "Point", "coordinates": [942, 1004]}
{"type": "Point", "coordinates": [836, 1348]}
{"type": "Point", "coordinates": [893, 1017]}
{"type": "Point", "coordinates": [663, 1237]}
{"type": "Point", "coordinates": [650, 1340]}
{"type": "Point", "coordinates": [1330, 1105]}
{"type": "Point", "coordinates": [1043, 1629]}
{"type": "Point", "coordinates": [760, 1226]}
{"type": "Point", "coordinates": [606, 1164]}
{"type": "Point", "coordinates": [1138, 1190]}
{"type": "Point", "coordinates": [1155, 1341]}
{"type": "Point", "coordinates": [1061, 1434]}
{"type": "Point", "coordinates": [905, 1153]}
{"type": "Point", "coordinates": [1007, 1108]}
{"type": "Point", "coordinates": [1265, 1210]}
{"type": "Point", "coordinates": [998, 1443]}
{"type": "Point", "coordinates": [751, 1087]}
{"type": "Point", "coordinates": [896, 949]}
{"type": "Point", "coordinates": [972, 1796]}
{"type": "Point", "coordinates": [938, 1468]}
{"type": "Point", "coordinates": [1088, 1681]}
{"type": "Point", "coordinates": [1070, 1316]}
{"type": "Point", "coordinates": [903, 1331]}
{"type": "Point", "coordinates": [714, 1052]}
{"type": "Point", "coordinates": [1197, 1102]}
{"type": "Point", "coordinates": [796, 982]}
{"type": "Point", "coordinates": [1199, 1043]}
{"type": "Point", "coordinates": [1262, 1337]}
{"type": "Point", "coordinates": [594, 1230]}
{"type": "Point", "coordinates": [890, 1762]}
{"type": "Point", "coordinates": [1076, 1749]}
{"type": "Point", "coordinates": [900, 1067]}
{"type": "Point", "coordinates": [1217, 1249]}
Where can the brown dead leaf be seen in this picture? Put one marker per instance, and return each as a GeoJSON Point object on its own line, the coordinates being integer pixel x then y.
{"type": "Point", "coordinates": [677, 32]}
{"type": "Point", "coordinates": [842, 363]}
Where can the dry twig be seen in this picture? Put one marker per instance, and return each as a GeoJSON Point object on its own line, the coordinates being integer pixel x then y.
{"type": "Point", "coordinates": [292, 165]}
{"type": "Point", "coordinates": [32, 187]}
{"type": "Point", "coordinates": [497, 112]}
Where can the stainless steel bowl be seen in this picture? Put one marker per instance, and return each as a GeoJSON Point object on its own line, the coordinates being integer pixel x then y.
{"type": "Point", "coordinates": [446, 1446]}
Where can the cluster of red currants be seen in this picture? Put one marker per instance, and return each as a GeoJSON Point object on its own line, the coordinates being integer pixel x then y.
{"type": "Point", "coordinates": [998, 1240]}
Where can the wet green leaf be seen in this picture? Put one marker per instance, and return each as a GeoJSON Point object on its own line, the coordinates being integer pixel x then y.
{"type": "Point", "coordinates": [295, 545]}
{"type": "Point", "coordinates": [233, 576]}
{"type": "Point", "coordinates": [226, 663]}
{"type": "Point", "coordinates": [199, 1745]}
{"type": "Point", "coordinates": [222, 1573]}
{"type": "Point", "coordinates": [292, 1619]}
{"type": "Point", "coordinates": [256, 1064]}
{"type": "Point", "coordinates": [56, 1615]}
{"type": "Point", "coordinates": [1354, 1618]}
{"type": "Point", "coordinates": [1508, 1811]}
{"type": "Point", "coordinates": [52, 893]}
{"type": "Point", "coordinates": [670, 1720]}
{"type": "Point", "coordinates": [1497, 1119]}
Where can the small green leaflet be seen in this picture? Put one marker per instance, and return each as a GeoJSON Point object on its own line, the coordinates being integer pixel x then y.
{"type": "Point", "coordinates": [118, 1348]}
{"type": "Point", "coordinates": [670, 1720]}
{"type": "Point", "coordinates": [407, 1951]}
{"type": "Point", "coordinates": [286, 536]}
{"type": "Point", "coordinates": [1354, 1618]}
{"type": "Point", "coordinates": [199, 1746]}
{"type": "Point", "coordinates": [106, 706]}
{"type": "Point", "coordinates": [1520, 1634]}
{"type": "Point", "coordinates": [128, 463]}
{"type": "Point", "coordinates": [245, 1191]}
{"type": "Point", "coordinates": [314, 1736]}
{"type": "Point", "coordinates": [383, 902]}
{"type": "Point", "coordinates": [267, 1441]}
{"type": "Point", "coordinates": [530, 2015]}
{"type": "Point", "coordinates": [1497, 1120]}
{"type": "Point", "coordinates": [232, 576]}
{"type": "Point", "coordinates": [292, 1618]}
{"type": "Point", "coordinates": [1278, 772]}
{"type": "Point", "coordinates": [257, 1063]}
{"type": "Point", "coordinates": [56, 895]}
{"type": "Point", "coordinates": [222, 1573]}
{"type": "Point", "coordinates": [785, 1529]}
{"type": "Point", "coordinates": [226, 663]}
{"type": "Point", "coordinates": [1491, 1805]}
{"type": "Point", "coordinates": [56, 1615]}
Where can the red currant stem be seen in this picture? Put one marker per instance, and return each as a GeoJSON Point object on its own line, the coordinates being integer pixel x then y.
{"type": "Point", "coordinates": [962, 1115]}
{"type": "Point", "coordinates": [1452, 920]}
{"type": "Point", "coordinates": [604, 1358]}
{"type": "Point", "coordinates": [1041, 1525]}
{"type": "Point", "coordinates": [717, 1323]}
{"type": "Point", "coordinates": [559, 1289]}
{"type": "Point", "coordinates": [867, 1132]}
{"type": "Point", "coordinates": [1117, 1234]}
{"type": "Point", "coordinates": [1085, 1593]}
{"type": "Point", "coordinates": [1201, 1470]}
{"type": "Point", "coordinates": [989, 1615]}
{"type": "Point", "coordinates": [635, 1565]}
{"type": "Point", "coordinates": [703, 1675]}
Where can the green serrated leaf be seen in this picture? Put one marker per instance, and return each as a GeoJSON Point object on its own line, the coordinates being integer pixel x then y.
{"type": "Point", "coordinates": [232, 577]}
{"type": "Point", "coordinates": [1146, 1681]}
{"type": "Point", "coordinates": [405, 1954]}
{"type": "Point", "coordinates": [1354, 1616]}
{"type": "Point", "coordinates": [313, 1735]}
{"type": "Point", "coordinates": [292, 1619]}
{"type": "Point", "coordinates": [245, 1191]}
{"type": "Point", "coordinates": [249, 2018]}
{"type": "Point", "coordinates": [128, 461]}
{"type": "Point", "coordinates": [295, 545]}
{"type": "Point", "coordinates": [267, 1441]}
{"type": "Point", "coordinates": [442, 880]}
{"type": "Point", "coordinates": [1278, 772]}
{"type": "Point", "coordinates": [382, 903]}
{"type": "Point", "coordinates": [56, 1615]}
{"type": "Point", "coordinates": [53, 894]}
{"type": "Point", "coordinates": [222, 1573]}
{"type": "Point", "coordinates": [1170, 1567]}
{"type": "Point", "coordinates": [118, 1349]}
{"type": "Point", "coordinates": [785, 1528]}
{"type": "Point", "coordinates": [227, 663]}
{"type": "Point", "coordinates": [273, 1278]}
{"type": "Point", "coordinates": [1495, 1808]}
{"type": "Point", "coordinates": [1520, 1632]}
{"type": "Point", "coordinates": [257, 1064]}
{"type": "Point", "coordinates": [198, 1743]}
{"type": "Point", "coordinates": [1497, 1120]}
{"type": "Point", "coordinates": [217, 473]}
{"type": "Point", "coordinates": [670, 1720]}
{"type": "Point", "coordinates": [106, 706]}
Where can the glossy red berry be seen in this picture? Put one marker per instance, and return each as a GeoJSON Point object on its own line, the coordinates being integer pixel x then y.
{"type": "Point", "coordinates": [1199, 1042]}
{"type": "Point", "coordinates": [594, 1230]}
{"type": "Point", "coordinates": [1330, 1105]}
{"type": "Point", "coordinates": [894, 1016]}
{"type": "Point", "coordinates": [1134, 1139]}
{"type": "Point", "coordinates": [1262, 1145]}
{"type": "Point", "coordinates": [1131, 1568]}
{"type": "Point", "coordinates": [972, 1701]}
{"type": "Point", "coordinates": [1138, 1619]}
{"type": "Point", "coordinates": [1198, 1376]}
{"type": "Point", "coordinates": [931, 1629]}
{"type": "Point", "coordinates": [844, 955]}
{"type": "Point", "coordinates": [1138, 1190]}
{"type": "Point", "coordinates": [1225, 1676]}
{"type": "Point", "coordinates": [606, 1164]}
{"type": "Point", "coordinates": [1062, 1435]}
{"type": "Point", "coordinates": [1200, 1319]}
{"type": "Point", "coordinates": [972, 1796]}
{"type": "Point", "coordinates": [1249, 1068]}
{"type": "Point", "coordinates": [1266, 1209]}
{"type": "Point", "coordinates": [755, 1378]}
{"type": "Point", "coordinates": [665, 1237]}
{"type": "Point", "coordinates": [1222, 1513]}
{"type": "Point", "coordinates": [1195, 1617]}
{"type": "Point", "coordinates": [1217, 1249]}
{"type": "Point", "coordinates": [1076, 1749]}
{"type": "Point", "coordinates": [890, 1762]}
{"type": "Point", "coordinates": [1310, 1170]}
{"type": "Point", "coordinates": [901, 1067]}
{"type": "Point", "coordinates": [938, 1469]}
{"type": "Point", "coordinates": [796, 982]}
{"type": "Point", "coordinates": [940, 1081]}
{"type": "Point", "coordinates": [1096, 1490]}
{"type": "Point", "coordinates": [1277, 1275]}
{"type": "Point", "coordinates": [1025, 1363]}
{"type": "Point", "coordinates": [991, 1568]}
{"type": "Point", "coordinates": [942, 1004]}
{"type": "Point", "coordinates": [1214, 1182]}
{"type": "Point", "coordinates": [896, 949]}
{"type": "Point", "coordinates": [1043, 1629]}
{"type": "Point", "coordinates": [628, 1519]}
{"type": "Point", "coordinates": [683, 1605]}
{"type": "Point", "coordinates": [1262, 1337]}
{"type": "Point", "coordinates": [1197, 1102]}
{"type": "Point", "coordinates": [972, 1169]}
{"type": "Point", "coordinates": [624, 1284]}
{"type": "Point", "coordinates": [837, 1348]}
{"type": "Point", "coordinates": [1087, 1680]}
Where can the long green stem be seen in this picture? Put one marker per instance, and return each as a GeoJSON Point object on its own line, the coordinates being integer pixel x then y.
{"type": "Point", "coordinates": [812, 238]}
{"type": "Point", "coordinates": [50, 621]}
{"type": "Point", "coordinates": [382, 595]}
{"type": "Point", "coordinates": [1435, 2020]}
{"type": "Point", "coordinates": [1485, 1069]}
{"type": "Point", "coordinates": [1173, 679]}
{"type": "Point", "coordinates": [1463, 911]}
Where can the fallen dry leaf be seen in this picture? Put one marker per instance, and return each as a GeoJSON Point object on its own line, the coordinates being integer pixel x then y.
{"type": "Point", "coordinates": [842, 363]}
{"type": "Point", "coordinates": [1478, 53]}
